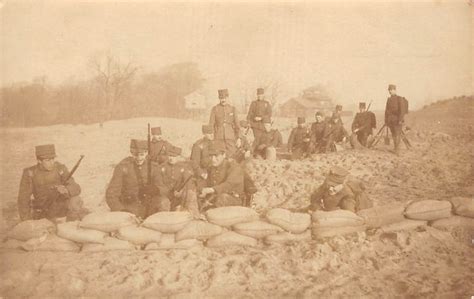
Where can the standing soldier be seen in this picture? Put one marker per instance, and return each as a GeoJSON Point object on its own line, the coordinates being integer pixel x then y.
{"type": "Point", "coordinates": [224, 122]}
{"type": "Point", "coordinates": [268, 143]}
{"type": "Point", "coordinates": [176, 184]}
{"type": "Point", "coordinates": [363, 124]}
{"type": "Point", "coordinates": [299, 140]}
{"type": "Point", "coordinates": [259, 109]}
{"type": "Point", "coordinates": [395, 111]}
{"type": "Point", "coordinates": [159, 146]}
{"type": "Point", "coordinates": [317, 133]}
{"type": "Point", "coordinates": [129, 190]}
{"type": "Point", "coordinates": [45, 192]}
{"type": "Point", "coordinates": [225, 183]}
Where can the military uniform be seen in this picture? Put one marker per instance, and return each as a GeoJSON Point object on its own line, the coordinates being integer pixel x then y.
{"type": "Point", "coordinates": [159, 148]}
{"type": "Point", "coordinates": [200, 159]}
{"type": "Point", "coordinates": [258, 108]}
{"type": "Point", "coordinates": [333, 132]}
{"type": "Point", "coordinates": [317, 136]}
{"type": "Point", "coordinates": [394, 117]}
{"type": "Point", "coordinates": [38, 198]}
{"type": "Point", "coordinates": [227, 180]}
{"type": "Point", "coordinates": [225, 124]}
{"type": "Point", "coordinates": [268, 141]}
{"type": "Point", "coordinates": [299, 141]}
{"type": "Point", "coordinates": [363, 124]}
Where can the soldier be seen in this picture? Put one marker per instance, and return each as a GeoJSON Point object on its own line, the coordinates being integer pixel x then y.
{"type": "Point", "coordinates": [45, 192]}
{"type": "Point", "coordinates": [225, 123]}
{"type": "Point", "coordinates": [243, 145]}
{"type": "Point", "coordinates": [159, 146]}
{"type": "Point", "coordinates": [334, 132]}
{"type": "Point", "coordinates": [129, 190]}
{"type": "Point", "coordinates": [317, 133]}
{"type": "Point", "coordinates": [225, 183]}
{"type": "Point", "coordinates": [200, 158]}
{"type": "Point", "coordinates": [299, 140]}
{"type": "Point", "coordinates": [363, 124]}
{"type": "Point", "coordinates": [337, 113]}
{"type": "Point", "coordinates": [338, 192]}
{"type": "Point", "coordinates": [269, 141]}
{"type": "Point", "coordinates": [395, 111]}
{"type": "Point", "coordinates": [259, 109]}
{"type": "Point", "coordinates": [175, 182]}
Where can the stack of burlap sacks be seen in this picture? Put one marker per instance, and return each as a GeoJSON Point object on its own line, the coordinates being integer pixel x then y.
{"type": "Point", "coordinates": [230, 226]}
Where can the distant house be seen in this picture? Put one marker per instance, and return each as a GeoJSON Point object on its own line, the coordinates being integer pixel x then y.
{"type": "Point", "coordinates": [311, 100]}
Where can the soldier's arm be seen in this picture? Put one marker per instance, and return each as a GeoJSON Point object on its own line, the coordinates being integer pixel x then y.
{"type": "Point", "coordinates": [24, 195]}
{"type": "Point", "coordinates": [71, 185]}
{"type": "Point", "coordinates": [234, 177]}
{"type": "Point", "coordinates": [114, 189]}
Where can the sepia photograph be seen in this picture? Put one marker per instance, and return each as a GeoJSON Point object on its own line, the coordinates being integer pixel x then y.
{"type": "Point", "coordinates": [236, 149]}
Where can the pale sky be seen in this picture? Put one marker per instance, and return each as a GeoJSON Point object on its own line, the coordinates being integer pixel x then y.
{"type": "Point", "coordinates": [355, 49]}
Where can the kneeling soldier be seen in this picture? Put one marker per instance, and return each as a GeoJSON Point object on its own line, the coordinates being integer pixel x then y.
{"type": "Point", "coordinates": [299, 140]}
{"type": "Point", "coordinates": [176, 183]}
{"type": "Point", "coordinates": [337, 192]}
{"type": "Point", "coordinates": [45, 192]}
{"type": "Point", "coordinates": [225, 182]}
{"type": "Point", "coordinates": [129, 190]}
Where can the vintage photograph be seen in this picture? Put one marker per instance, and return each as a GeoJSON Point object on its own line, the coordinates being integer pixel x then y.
{"type": "Point", "coordinates": [236, 149]}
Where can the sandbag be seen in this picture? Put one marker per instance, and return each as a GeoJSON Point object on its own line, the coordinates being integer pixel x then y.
{"type": "Point", "coordinates": [13, 244]}
{"type": "Point", "coordinates": [168, 222]}
{"type": "Point", "coordinates": [108, 221]}
{"type": "Point", "coordinates": [198, 229]}
{"type": "Point", "coordinates": [50, 242]}
{"type": "Point", "coordinates": [463, 206]}
{"type": "Point", "coordinates": [292, 222]}
{"type": "Point", "coordinates": [336, 218]}
{"type": "Point", "coordinates": [230, 238]}
{"type": "Point", "coordinates": [72, 231]}
{"type": "Point", "coordinates": [383, 215]}
{"type": "Point", "coordinates": [286, 237]}
{"type": "Point", "coordinates": [452, 222]}
{"type": "Point", "coordinates": [406, 224]}
{"type": "Point", "coordinates": [428, 210]}
{"type": "Point", "coordinates": [256, 229]}
{"type": "Point", "coordinates": [138, 235]}
{"type": "Point", "coordinates": [324, 232]}
{"type": "Point", "coordinates": [110, 244]}
{"type": "Point", "coordinates": [30, 229]}
{"type": "Point", "coordinates": [228, 216]}
{"type": "Point", "coordinates": [168, 241]}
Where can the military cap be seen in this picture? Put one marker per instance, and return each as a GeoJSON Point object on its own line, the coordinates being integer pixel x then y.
{"type": "Point", "coordinates": [223, 93]}
{"type": "Point", "coordinates": [174, 151]}
{"type": "Point", "coordinates": [215, 149]}
{"type": "Point", "coordinates": [266, 120]}
{"type": "Point", "coordinates": [46, 151]}
{"type": "Point", "coordinates": [156, 131]}
{"type": "Point", "coordinates": [243, 123]}
{"type": "Point", "coordinates": [260, 91]}
{"type": "Point", "coordinates": [362, 105]}
{"type": "Point", "coordinates": [338, 107]}
{"type": "Point", "coordinates": [207, 129]}
{"type": "Point", "coordinates": [138, 145]}
{"type": "Point", "coordinates": [392, 86]}
{"type": "Point", "coordinates": [337, 175]}
{"type": "Point", "coordinates": [301, 120]}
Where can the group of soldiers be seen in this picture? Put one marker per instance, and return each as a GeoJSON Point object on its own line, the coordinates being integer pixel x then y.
{"type": "Point", "coordinates": [155, 177]}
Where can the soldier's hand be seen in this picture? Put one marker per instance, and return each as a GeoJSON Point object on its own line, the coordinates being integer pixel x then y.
{"type": "Point", "coordinates": [206, 191]}
{"type": "Point", "coordinates": [204, 175]}
{"type": "Point", "coordinates": [258, 118]}
{"type": "Point", "coordinates": [61, 189]}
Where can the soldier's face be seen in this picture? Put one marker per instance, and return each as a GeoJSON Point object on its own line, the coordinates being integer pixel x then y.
{"type": "Point", "coordinates": [301, 125]}
{"type": "Point", "coordinates": [392, 92]}
{"type": "Point", "coordinates": [217, 159]}
{"type": "Point", "coordinates": [157, 137]}
{"type": "Point", "coordinates": [334, 188]}
{"type": "Point", "coordinates": [223, 101]}
{"type": "Point", "coordinates": [260, 97]}
{"type": "Point", "coordinates": [47, 164]}
{"type": "Point", "coordinates": [319, 118]}
{"type": "Point", "coordinates": [139, 156]}
{"type": "Point", "coordinates": [267, 126]}
{"type": "Point", "coordinates": [361, 109]}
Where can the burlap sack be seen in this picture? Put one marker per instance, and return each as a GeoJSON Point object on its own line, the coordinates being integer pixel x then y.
{"type": "Point", "coordinates": [292, 222]}
{"type": "Point", "coordinates": [324, 232]}
{"type": "Point", "coordinates": [30, 229]}
{"type": "Point", "coordinates": [198, 229]}
{"type": "Point", "coordinates": [110, 244]}
{"type": "Point", "coordinates": [50, 242]}
{"type": "Point", "coordinates": [463, 206]}
{"type": "Point", "coordinates": [228, 216]}
{"type": "Point", "coordinates": [452, 222]}
{"type": "Point", "coordinates": [12, 244]}
{"type": "Point", "coordinates": [168, 241]}
{"type": "Point", "coordinates": [428, 210]}
{"type": "Point", "coordinates": [108, 221]}
{"type": "Point", "coordinates": [406, 224]}
{"type": "Point", "coordinates": [379, 216]}
{"type": "Point", "coordinates": [138, 235]}
{"type": "Point", "coordinates": [230, 238]}
{"type": "Point", "coordinates": [256, 229]}
{"type": "Point", "coordinates": [286, 237]}
{"type": "Point", "coordinates": [71, 231]}
{"type": "Point", "coordinates": [336, 218]}
{"type": "Point", "coordinates": [168, 222]}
